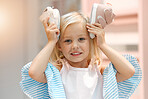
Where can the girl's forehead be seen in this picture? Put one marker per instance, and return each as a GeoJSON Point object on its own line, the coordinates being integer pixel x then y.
{"type": "Point", "coordinates": [75, 35]}
{"type": "Point", "coordinates": [75, 29]}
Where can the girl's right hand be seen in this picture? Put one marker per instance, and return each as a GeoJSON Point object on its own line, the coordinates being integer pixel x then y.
{"type": "Point", "coordinates": [51, 31]}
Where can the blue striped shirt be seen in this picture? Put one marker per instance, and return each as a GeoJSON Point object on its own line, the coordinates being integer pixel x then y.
{"type": "Point", "coordinates": [54, 89]}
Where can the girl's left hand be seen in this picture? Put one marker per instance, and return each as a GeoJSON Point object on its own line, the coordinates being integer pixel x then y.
{"type": "Point", "coordinates": [97, 30]}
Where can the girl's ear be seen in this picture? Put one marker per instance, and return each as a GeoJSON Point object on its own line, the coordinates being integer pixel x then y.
{"type": "Point", "coordinates": [58, 46]}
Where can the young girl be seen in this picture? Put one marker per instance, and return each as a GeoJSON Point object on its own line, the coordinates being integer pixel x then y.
{"type": "Point", "coordinates": [69, 67]}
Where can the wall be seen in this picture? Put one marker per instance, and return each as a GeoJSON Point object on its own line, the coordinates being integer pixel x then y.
{"type": "Point", "coordinates": [18, 37]}
{"type": "Point", "coordinates": [143, 48]}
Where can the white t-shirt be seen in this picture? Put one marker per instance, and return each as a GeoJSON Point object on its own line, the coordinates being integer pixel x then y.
{"type": "Point", "coordinates": [82, 83]}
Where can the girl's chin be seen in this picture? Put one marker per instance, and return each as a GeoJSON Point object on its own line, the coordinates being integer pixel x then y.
{"type": "Point", "coordinates": [76, 60]}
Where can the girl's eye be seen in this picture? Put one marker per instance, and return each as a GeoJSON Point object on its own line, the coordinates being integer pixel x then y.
{"type": "Point", "coordinates": [81, 39]}
{"type": "Point", "coordinates": [67, 41]}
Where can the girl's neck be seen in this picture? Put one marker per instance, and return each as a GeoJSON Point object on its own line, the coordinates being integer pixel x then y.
{"type": "Point", "coordinates": [83, 64]}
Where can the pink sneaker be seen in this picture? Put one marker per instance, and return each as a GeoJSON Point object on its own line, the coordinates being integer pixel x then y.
{"type": "Point", "coordinates": [101, 14]}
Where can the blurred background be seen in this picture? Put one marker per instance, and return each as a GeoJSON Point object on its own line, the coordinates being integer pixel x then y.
{"type": "Point", "coordinates": [22, 36]}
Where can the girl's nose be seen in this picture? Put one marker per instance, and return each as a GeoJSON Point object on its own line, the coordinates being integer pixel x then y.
{"type": "Point", "coordinates": [75, 45]}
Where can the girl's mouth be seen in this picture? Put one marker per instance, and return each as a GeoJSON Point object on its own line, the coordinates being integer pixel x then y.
{"type": "Point", "coordinates": [76, 54]}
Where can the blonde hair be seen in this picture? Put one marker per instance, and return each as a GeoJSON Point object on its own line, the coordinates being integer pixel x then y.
{"type": "Point", "coordinates": [66, 20]}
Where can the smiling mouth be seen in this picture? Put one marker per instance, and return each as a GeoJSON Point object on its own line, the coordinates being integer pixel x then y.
{"type": "Point", "coordinates": [76, 54]}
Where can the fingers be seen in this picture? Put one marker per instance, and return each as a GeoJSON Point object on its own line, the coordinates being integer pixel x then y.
{"type": "Point", "coordinates": [98, 25]}
{"type": "Point", "coordinates": [57, 31]}
{"type": "Point", "coordinates": [53, 26]}
{"type": "Point", "coordinates": [48, 25]}
{"type": "Point", "coordinates": [95, 25]}
{"type": "Point", "coordinates": [45, 22]}
{"type": "Point", "coordinates": [95, 28]}
{"type": "Point", "coordinates": [96, 32]}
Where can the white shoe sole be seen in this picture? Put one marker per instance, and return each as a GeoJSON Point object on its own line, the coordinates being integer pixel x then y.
{"type": "Point", "coordinates": [57, 16]}
{"type": "Point", "coordinates": [93, 17]}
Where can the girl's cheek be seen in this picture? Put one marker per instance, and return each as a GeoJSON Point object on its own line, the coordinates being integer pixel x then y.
{"type": "Point", "coordinates": [66, 48]}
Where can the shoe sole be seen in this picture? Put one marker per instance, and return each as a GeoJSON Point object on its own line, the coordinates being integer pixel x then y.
{"type": "Point", "coordinates": [57, 14]}
{"type": "Point", "coordinates": [93, 17]}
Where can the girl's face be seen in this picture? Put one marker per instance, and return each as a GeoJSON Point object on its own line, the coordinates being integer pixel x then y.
{"type": "Point", "coordinates": [75, 43]}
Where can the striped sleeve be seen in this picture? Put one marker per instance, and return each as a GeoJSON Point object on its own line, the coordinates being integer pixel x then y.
{"type": "Point", "coordinates": [32, 88]}
{"type": "Point", "coordinates": [110, 88]}
{"type": "Point", "coordinates": [55, 85]}
{"type": "Point", "coordinates": [127, 87]}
